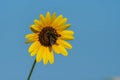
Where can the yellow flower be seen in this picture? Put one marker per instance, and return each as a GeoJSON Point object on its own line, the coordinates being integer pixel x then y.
{"type": "Point", "coordinates": [49, 35]}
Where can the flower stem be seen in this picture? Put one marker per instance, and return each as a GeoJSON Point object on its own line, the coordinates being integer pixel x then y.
{"type": "Point", "coordinates": [31, 70]}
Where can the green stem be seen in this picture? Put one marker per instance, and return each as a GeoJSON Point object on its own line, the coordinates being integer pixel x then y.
{"type": "Point", "coordinates": [31, 70]}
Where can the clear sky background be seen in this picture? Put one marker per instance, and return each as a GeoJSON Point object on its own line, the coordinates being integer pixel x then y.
{"type": "Point", "coordinates": [96, 48]}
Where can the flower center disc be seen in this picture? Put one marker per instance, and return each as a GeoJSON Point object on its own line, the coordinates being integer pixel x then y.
{"type": "Point", "coordinates": [48, 36]}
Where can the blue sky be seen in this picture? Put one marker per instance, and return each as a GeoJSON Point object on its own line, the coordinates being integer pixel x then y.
{"type": "Point", "coordinates": [96, 48]}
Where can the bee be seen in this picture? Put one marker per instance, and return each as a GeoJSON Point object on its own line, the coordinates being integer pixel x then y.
{"type": "Point", "coordinates": [51, 38]}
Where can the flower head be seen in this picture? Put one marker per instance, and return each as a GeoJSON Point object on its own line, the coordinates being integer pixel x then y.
{"type": "Point", "coordinates": [49, 35]}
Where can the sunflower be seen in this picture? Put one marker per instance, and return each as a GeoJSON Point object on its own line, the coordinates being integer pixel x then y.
{"type": "Point", "coordinates": [49, 36]}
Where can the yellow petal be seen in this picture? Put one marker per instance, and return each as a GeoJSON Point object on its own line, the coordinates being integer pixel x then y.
{"type": "Point", "coordinates": [45, 55]}
{"type": "Point", "coordinates": [39, 55]}
{"type": "Point", "coordinates": [45, 58]}
{"type": "Point", "coordinates": [48, 18]}
{"type": "Point", "coordinates": [37, 22]}
{"type": "Point", "coordinates": [65, 44]}
{"type": "Point", "coordinates": [67, 32]}
{"type": "Point", "coordinates": [35, 50]}
{"type": "Point", "coordinates": [57, 20]}
{"type": "Point", "coordinates": [43, 20]}
{"type": "Point", "coordinates": [33, 46]}
{"type": "Point", "coordinates": [53, 17]}
{"type": "Point", "coordinates": [35, 28]}
{"type": "Point", "coordinates": [55, 48]}
{"type": "Point", "coordinates": [60, 49]}
{"type": "Point", "coordinates": [62, 22]}
{"type": "Point", "coordinates": [31, 38]}
{"type": "Point", "coordinates": [66, 37]}
{"type": "Point", "coordinates": [63, 51]}
{"type": "Point", "coordinates": [51, 57]}
{"type": "Point", "coordinates": [62, 28]}
{"type": "Point", "coordinates": [30, 35]}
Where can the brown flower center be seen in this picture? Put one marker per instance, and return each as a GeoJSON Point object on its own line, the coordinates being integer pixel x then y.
{"type": "Point", "coordinates": [48, 36]}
